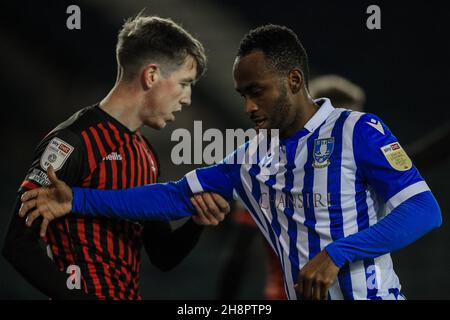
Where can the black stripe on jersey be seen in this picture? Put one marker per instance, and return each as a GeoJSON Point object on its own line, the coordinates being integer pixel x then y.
{"type": "Point", "coordinates": [54, 238]}
{"type": "Point", "coordinates": [113, 146]}
{"type": "Point", "coordinates": [106, 255]}
{"type": "Point", "coordinates": [145, 169]}
{"type": "Point", "coordinates": [95, 175]}
{"type": "Point", "coordinates": [115, 252]}
{"type": "Point", "coordinates": [129, 156]}
{"type": "Point", "coordinates": [117, 139]}
{"type": "Point", "coordinates": [78, 253]}
{"type": "Point", "coordinates": [89, 234]}
{"type": "Point", "coordinates": [123, 227]}
{"type": "Point", "coordinates": [138, 162]}
{"type": "Point", "coordinates": [134, 163]}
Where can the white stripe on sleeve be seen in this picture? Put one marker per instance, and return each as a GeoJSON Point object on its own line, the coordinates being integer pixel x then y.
{"type": "Point", "coordinates": [405, 194]}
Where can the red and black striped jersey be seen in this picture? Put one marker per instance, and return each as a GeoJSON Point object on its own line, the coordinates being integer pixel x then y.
{"type": "Point", "coordinates": [92, 149]}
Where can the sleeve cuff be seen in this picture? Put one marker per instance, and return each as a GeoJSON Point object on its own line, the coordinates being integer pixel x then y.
{"type": "Point", "coordinates": [335, 254]}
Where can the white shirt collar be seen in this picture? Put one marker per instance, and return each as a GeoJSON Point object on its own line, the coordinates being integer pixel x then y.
{"type": "Point", "coordinates": [321, 115]}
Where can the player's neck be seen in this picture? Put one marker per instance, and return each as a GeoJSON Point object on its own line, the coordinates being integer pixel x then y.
{"type": "Point", "coordinates": [122, 104]}
{"type": "Point", "coordinates": [305, 111]}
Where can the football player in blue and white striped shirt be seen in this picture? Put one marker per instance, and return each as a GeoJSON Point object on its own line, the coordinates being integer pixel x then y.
{"type": "Point", "coordinates": [340, 197]}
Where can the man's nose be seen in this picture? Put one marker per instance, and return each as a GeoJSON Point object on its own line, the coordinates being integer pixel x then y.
{"type": "Point", "coordinates": [250, 106]}
{"type": "Point", "coordinates": [186, 100]}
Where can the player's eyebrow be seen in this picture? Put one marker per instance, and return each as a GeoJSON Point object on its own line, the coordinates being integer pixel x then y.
{"type": "Point", "coordinates": [248, 87]}
{"type": "Point", "coordinates": [188, 79]}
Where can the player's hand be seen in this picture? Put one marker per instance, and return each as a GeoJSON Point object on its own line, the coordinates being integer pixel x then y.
{"type": "Point", "coordinates": [316, 277]}
{"type": "Point", "coordinates": [49, 202]}
{"type": "Point", "coordinates": [211, 208]}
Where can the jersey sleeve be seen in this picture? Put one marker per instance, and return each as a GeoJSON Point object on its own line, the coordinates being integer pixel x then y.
{"type": "Point", "coordinates": [383, 164]}
{"type": "Point", "coordinates": [61, 149]}
{"type": "Point", "coordinates": [22, 245]}
{"type": "Point", "coordinates": [219, 178]}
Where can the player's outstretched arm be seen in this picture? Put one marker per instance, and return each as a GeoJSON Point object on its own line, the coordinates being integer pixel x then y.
{"type": "Point", "coordinates": [168, 201]}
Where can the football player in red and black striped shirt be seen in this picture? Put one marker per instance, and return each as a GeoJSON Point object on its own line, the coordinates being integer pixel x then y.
{"type": "Point", "coordinates": [100, 147]}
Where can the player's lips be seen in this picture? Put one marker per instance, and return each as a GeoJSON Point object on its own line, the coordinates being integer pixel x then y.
{"type": "Point", "coordinates": [259, 122]}
{"type": "Point", "coordinates": [172, 117]}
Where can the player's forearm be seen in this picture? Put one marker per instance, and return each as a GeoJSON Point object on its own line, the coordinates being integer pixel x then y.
{"type": "Point", "coordinates": [405, 224]}
{"type": "Point", "coordinates": [174, 245]}
{"type": "Point", "coordinates": [161, 201]}
{"type": "Point", "coordinates": [182, 241]}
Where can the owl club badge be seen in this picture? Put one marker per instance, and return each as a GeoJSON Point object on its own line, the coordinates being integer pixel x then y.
{"type": "Point", "coordinates": [323, 148]}
{"type": "Point", "coordinates": [56, 154]}
{"type": "Point", "coordinates": [396, 156]}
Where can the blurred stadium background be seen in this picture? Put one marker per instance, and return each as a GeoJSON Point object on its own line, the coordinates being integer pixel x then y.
{"type": "Point", "coordinates": [49, 72]}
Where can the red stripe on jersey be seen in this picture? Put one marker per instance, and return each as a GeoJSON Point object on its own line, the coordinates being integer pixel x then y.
{"type": "Point", "coordinates": [129, 247]}
{"type": "Point", "coordinates": [145, 158]}
{"type": "Point", "coordinates": [147, 170]}
{"type": "Point", "coordinates": [134, 241]}
{"type": "Point", "coordinates": [112, 147]}
{"type": "Point", "coordinates": [87, 258]}
{"type": "Point", "coordinates": [90, 151]}
{"type": "Point", "coordinates": [91, 158]}
{"type": "Point", "coordinates": [132, 161]}
{"type": "Point", "coordinates": [149, 159]}
{"type": "Point", "coordinates": [99, 258]}
{"type": "Point", "coordinates": [109, 240]}
{"type": "Point", "coordinates": [138, 160]}
{"type": "Point", "coordinates": [122, 151]}
{"type": "Point", "coordinates": [121, 250]}
{"type": "Point", "coordinates": [103, 153]}
{"type": "Point", "coordinates": [65, 243]}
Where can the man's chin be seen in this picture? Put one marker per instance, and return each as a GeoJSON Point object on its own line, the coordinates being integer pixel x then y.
{"type": "Point", "coordinates": [157, 125]}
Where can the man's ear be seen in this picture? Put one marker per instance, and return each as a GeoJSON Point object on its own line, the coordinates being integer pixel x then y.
{"type": "Point", "coordinates": [149, 75]}
{"type": "Point", "coordinates": [295, 80]}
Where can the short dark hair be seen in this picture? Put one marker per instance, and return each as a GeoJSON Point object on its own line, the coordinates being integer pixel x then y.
{"type": "Point", "coordinates": [145, 39]}
{"type": "Point", "coordinates": [282, 48]}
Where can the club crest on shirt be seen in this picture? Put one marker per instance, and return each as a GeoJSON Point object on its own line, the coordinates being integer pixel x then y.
{"type": "Point", "coordinates": [56, 154]}
{"type": "Point", "coordinates": [323, 148]}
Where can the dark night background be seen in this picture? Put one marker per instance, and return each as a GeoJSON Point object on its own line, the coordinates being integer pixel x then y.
{"type": "Point", "coordinates": [49, 72]}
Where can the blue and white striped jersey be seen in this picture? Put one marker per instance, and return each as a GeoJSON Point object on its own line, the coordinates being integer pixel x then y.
{"type": "Point", "coordinates": [340, 174]}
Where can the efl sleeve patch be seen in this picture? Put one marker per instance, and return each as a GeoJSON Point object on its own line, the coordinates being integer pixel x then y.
{"type": "Point", "coordinates": [396, 156]}
{"type": "Point", "coordinates": [56, 154]}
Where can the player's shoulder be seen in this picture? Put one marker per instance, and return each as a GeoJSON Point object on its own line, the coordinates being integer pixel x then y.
{"type": "Point", "coordinates": [368, 124]}
{"type": "Point", "coordinates": [81, 120]}
{"type": "Point", "coordinates": [68, 133]}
